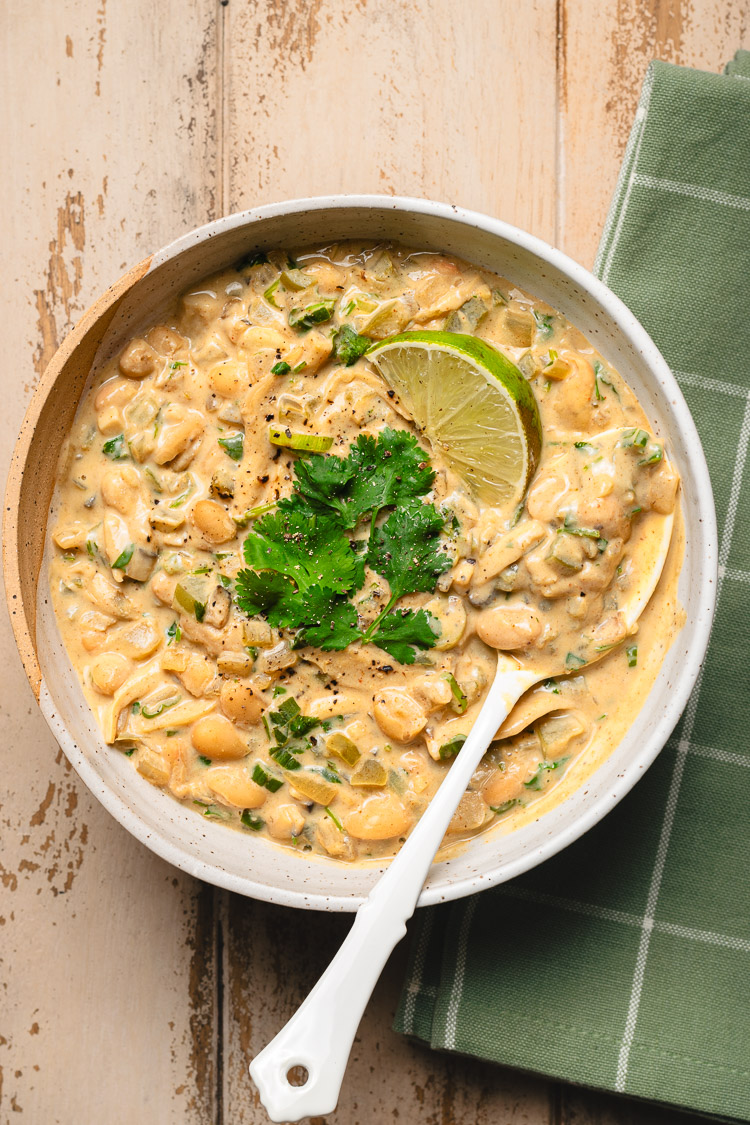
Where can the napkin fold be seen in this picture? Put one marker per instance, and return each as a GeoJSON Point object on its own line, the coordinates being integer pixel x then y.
{"type": "Point", "coordinates": [624, 962]}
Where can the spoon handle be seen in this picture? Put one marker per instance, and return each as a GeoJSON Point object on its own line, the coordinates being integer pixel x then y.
{"type": "Point", "coordinates": [320, 1034]}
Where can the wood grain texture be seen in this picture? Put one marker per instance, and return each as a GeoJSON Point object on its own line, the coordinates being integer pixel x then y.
{"type": "Point", "coordinates": [272, 959]}
{"type": "Point", "coordinates": [605, 49]}
{"type": "Point", "coordinates": [403, 98]}
{"type": "Point", "coordinates": [130, 992]}
{"type": "Point", "coordinates": [107, 953]}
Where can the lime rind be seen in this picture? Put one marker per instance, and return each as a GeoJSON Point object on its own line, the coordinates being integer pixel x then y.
{"type": "Point", "coordinates": [472, 403]}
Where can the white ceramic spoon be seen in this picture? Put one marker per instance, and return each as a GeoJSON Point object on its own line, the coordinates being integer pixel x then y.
{"type": "Point", "coordinates": [320, 1034]}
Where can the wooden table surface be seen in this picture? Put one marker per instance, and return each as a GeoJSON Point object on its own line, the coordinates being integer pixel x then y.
{"type": "Point", "coordinates": [132, 993]}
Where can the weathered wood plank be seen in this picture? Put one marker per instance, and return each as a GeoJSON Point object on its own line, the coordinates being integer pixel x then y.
{"type": "Point", "coordinates": [604, 52]}
{"type": "Point", "coordinates": [274, 957]}
{"type": "Point", "coordinates": [424, 99]}
{"type": "Point", "coordinates": [400, 98]}
{"type": "Point", "coordinates": [107, 953]}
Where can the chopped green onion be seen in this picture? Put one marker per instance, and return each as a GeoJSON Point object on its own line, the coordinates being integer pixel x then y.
{"type": "Point", "coordinates": [268, 294]}
{"type": "Point", "coordinates": [300, 367]}
{"type": "Point", "coordinates": [569, 528]}
{"type": "Point", "coordinates": [250, 820]}
{"type": "Point", "coordinates": [174, 632]}
{"type": "Point", "coordinates": [281, 368]}
{"type": "Point", "coordinates": [149, 713]}
{"type": "Point", "coordinates": [278, 690]}
{"type": "Point", "coordinates": [286, 759]}
{"type": "Point", "coordinates": [460, 700]}
{"type": "Point", "coordinates": [287, 710]}
{"type": "Point", "coordinates": [317, 313]}
{"type": "Point", "coordinates": [204, 760]}
{"type": "Point", "coordinates": [551, 685]}
{"type": "Point", "coordinates": [536, 781]}
{"type": "Point", "coordinates": [309, 443]}
{"type": "Point", "coordinates": [634, 438]}
{"type": "Point", "coordinates": [451, 748]}
{"type": "Point", "coordinates": [505, 807]}
{"type": "Point", "coordinates": [598, 368]}
{"type": "Point", "coordinates": [329, 772]}
{"type": "Point", "coordinates": [349, 346]}
{"type": "Point", "coordinates": [262, 777]}
{"type": "Point", "coordinates": [233, 445]}
{"type": "Point", "coordinates": [335, 819]}
{"type": "Point", "coordinates": [573, 661]}
{"type": "Point", "coordinates": [124, 557]}
{"type": "Point", "coordinates": [155, 484]}
{"type": "Point", "coordinates": [294, 278]}
{"type": "Point", "coordinates": [543, 325]}
{"type": "Point", "coordinates": [654, 458]}
{"type": "Point", "coordinates": [632, 654]}
{"type": "Point", "coordinates": [115, 448]}
{"type": "Point", "coordinates": [212, 810]}
{"type": "Point", "coordinates": [184, 495]}
{"type": "Point", "coordinates": [136, 708]}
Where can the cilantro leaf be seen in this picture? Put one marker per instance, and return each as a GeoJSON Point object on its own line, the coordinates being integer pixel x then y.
{"type": "Point", "coordinates": [405, 550]}
{"type": "Point", "coordinates": [116, 448]}
{"type": "Point", "coordinates": [330, 622]}
{"type": "Point", "coordinates": [378, 473]}
{"type": "Point", "coordinates": [312, 550]}
{"type": "Point", "coordinates": [400, 629]}
{"type": "Point", "coordinates": [233, 445]}
{"type": "Point", "coordinates": [258, 591]}
{"type": "Point", "coordinates": [320, 481]}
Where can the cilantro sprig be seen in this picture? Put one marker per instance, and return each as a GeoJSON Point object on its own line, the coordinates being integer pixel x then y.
{"type": "Point", "coordinates": [304, 566]}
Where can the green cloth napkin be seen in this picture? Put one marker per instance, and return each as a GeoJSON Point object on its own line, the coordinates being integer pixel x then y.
{"type": "Point", "coordinates": [624, 962]}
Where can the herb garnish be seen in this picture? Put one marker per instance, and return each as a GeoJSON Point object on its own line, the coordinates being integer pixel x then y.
{"type": "Point", "coordinates": [536, 781]}
{"type": "Point", "coordinates": [543, 325]}
{"type": "Point", "coordinates": [249, 820]}
{"type": "Point", "coordinates": [116, 448]}
{"type": "Point", "coordinates": [305, 568]}
{"type": "Point", "coordinates": [233, 445]}
{"type": "Point", "coordinates": [124, 557]}
{"type": "Point", "coordinates": [317, 313]}
{"type": "Point", "coordinates": [348, 345]}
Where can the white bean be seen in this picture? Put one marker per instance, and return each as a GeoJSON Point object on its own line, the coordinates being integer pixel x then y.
{"type": "Point", "coordinates": [508, 627]}
{"type": "Point", "coordinates": [380, 817]}
{"type": "Point", "coordinates": [398, 714]}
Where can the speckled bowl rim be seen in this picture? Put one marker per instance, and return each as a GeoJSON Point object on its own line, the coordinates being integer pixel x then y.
{"type": "Point", "coordinates": [632, 331]}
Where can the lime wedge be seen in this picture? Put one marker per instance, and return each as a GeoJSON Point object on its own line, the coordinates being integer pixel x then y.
{"type": "Point", "coordinates": [472, 404]}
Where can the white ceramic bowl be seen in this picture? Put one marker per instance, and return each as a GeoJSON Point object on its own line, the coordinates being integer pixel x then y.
{"type": "Point", "coordinates": [253, 866]}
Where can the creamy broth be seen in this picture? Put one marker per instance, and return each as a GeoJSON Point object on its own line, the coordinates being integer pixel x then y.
{"type": "Point", "coordinates": [170, 468]}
